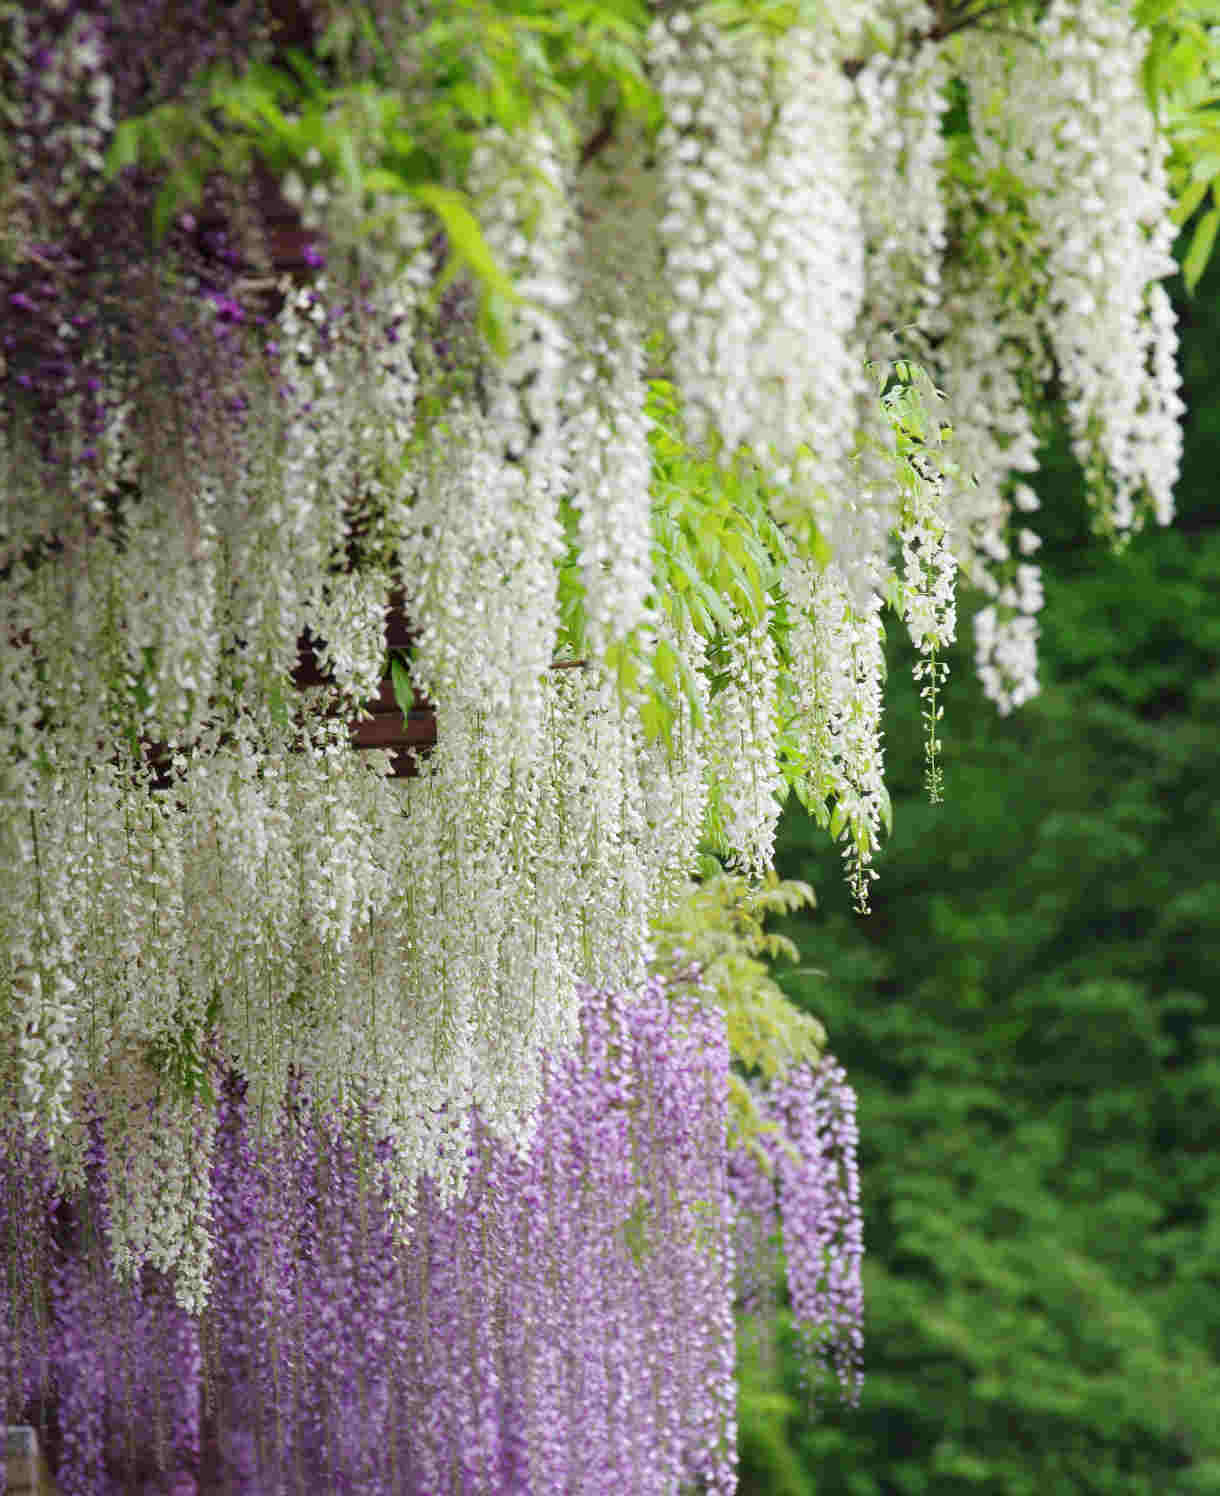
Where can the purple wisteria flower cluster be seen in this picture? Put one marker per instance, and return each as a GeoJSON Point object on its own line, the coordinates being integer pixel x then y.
{"type": "Point", "coordinates": [28, 1200]}
{"type": "Point", "coordinates": [82, 290]}
{"type": "Point", "coordinates": [567, 1325]}
{"type": "Point", "coordinates": [804, 1192]}
{"type": "Point", "coordinates": [564, 1326]}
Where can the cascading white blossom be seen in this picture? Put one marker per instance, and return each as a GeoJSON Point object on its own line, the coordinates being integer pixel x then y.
{"type": "Point", "coordinates": [523, 184]}
{"type": "Point", "coordinates": [349, 617]}
{"type": "Point", "coordinates": [487, 624]}
{"type": "Point", "coordinates": [764, 256]}
{"type": "Point", "coordinates": [900, 158]}
{"type": "Point", "coordinates": [711, 224]}
{"type": "Point", "coordinates": [159, 1145]}
{"type": "Point", "coordinates": [1006, 641]}
{"type": "Point", "coordinates": [278, 903]}
{"type": "Point", "coordinates": [477, 550]}
{"type": "Point", "coordinates": [167, 580]}
{"type": "Point", "coordinates": [984, 344]}
{"type": "Point", "coordinates": [743, 763]}
{"type": "Point", "coordinates": [45, 1006]}
{"type": "Point", "coordinates": [929, 602]}
{"type": "Point", "coordinates": [675, 777]}
{"type": "Point", "coordinates": [765, 247]}
{"type": "Point", "coordinates": [601, 820]}
{"type": "Point", "coordinates": [610, 467]}
{"type": "Point", "coordinates": [1069, 119]}
{"type": "Point", "coordinates": [838, 662]}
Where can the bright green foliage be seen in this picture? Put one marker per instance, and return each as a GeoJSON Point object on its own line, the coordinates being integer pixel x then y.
{"type": "Point", "coordinates": [1182, 81]}
{"type": "Point", "coordinates": [715, 538]}
{"type": "Point", "coordinates": [765, 1412]}
{"type": "Point", "coordinates": [1032, 1022]}
{"type": "Point", "coordinates": [717, 553]}
{"type": "Point", "coordinates": [382, 123]}
{"type": "Point", "coordinates": [719, 930]}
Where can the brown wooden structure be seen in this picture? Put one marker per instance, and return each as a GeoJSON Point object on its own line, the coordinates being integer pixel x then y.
{"type": "Point", "coordinates": [387, 727]}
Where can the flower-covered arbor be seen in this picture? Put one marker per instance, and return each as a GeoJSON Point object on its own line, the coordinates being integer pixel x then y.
{"type": "Point", "coordinates": [640, 359]}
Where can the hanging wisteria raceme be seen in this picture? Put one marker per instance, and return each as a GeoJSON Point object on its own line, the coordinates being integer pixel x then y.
{"type": "Point", "coordinates": [1076, 135]}
{"type": "Point", "coordinates": [802, 1186]}
{"type": "Point", "coordinates": [836, 655]}
{"type": "Point", "coordinates": [611, 471]}
{"type": "Point", "coordinates": [763, 246]}
{"type": "Point", "coordinates": [927, 594]}
{"type": "Point", "coordinates": [900, 157]}
{"type": "Point", "coordinates": [984, 347]}
{"type": "Point", "coordinates": [675, 778]}
{"type": "Point", "coordinates": [745, 776]}
{"type": "Point", "coordinates": [566, 1326]}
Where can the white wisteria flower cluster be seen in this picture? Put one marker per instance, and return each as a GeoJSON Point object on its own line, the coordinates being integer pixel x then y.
{"type": "Point", "coordinates": [1066, 115]}
{"type": "Point", "coordinates": [763, 245]}
{"type": "Point", "coordinates": [838, 666]}
{"type": "Point", "coordinates": [610, 463]}
{"type": "Point", "coordinates": [636, 635]}
{"type": "Point", "coordinates": [745, 770]}
{"type": "Point", "coordinates": [900, 157]}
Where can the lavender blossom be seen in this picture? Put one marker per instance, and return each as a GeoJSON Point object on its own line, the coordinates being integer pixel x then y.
{"type": "Point", "coordinates": [565, 1325]}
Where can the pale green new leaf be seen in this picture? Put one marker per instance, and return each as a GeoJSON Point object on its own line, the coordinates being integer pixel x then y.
{"type": "Point", "coordinates": [404, 691]}
{"type": "Point", "coordinates": [1200, 248]}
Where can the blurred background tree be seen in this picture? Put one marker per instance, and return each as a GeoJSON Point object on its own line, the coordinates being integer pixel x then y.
{"type": "Point", "coordinates": [1031, 1017]}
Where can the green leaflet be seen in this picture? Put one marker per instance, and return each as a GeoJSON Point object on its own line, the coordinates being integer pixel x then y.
{"type": "Point", "coordinates": [1189, 200]}
{"type": "Point", "coordinates": [1201, 246]}
{"type": "Point", "coordinates": [404, 691]}
{"type": "Point", "coordinates": [720, 926]}
{"type": "Point", "coordinates": [469, 248]}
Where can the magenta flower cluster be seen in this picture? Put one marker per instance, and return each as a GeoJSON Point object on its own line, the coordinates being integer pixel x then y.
{"type": "Point", "coordinates": [567, 1326]}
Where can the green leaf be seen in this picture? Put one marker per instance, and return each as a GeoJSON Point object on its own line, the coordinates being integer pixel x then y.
{"type": "Point", "coordinates": [1200, 248]}
{"type": "Point", "coordinates": [1203, 168]}
{"type": "Point", "coordinates": [465, 235]}
{"type": "Point", "coordinates": [1149, 12]}
{"type": "Point", "coordinates": [666, 662]}
{"type": "Point", "coordinates": [404, 691]}
{"type": "Point", "coordinates": [181, 189]}
{"type": "Point", "coordinates": [653, 720]}
{"type": "Point", "coordinates": [819, 548]}
{"type": "Point", "coordinates": [379, 179]}
{"type": "Point", "coordinates": [628, 674]}
{"type": "Point", "coordinates": [715, 605]}
{"type": "Point", "coordinates": [887, 810]}
{"type": "Point", "coordinates": [493, 321]}
{"type": "Point", "coordinates": [124, 148]}
{"type": "Point", "coordinates": [690, 689]}
{"type": "Point", "coordinates": [1189, 201]}
{"type": "Point", "coordinates": [700, 617]}
{"type": "Point", "coordinates": [305, 70]}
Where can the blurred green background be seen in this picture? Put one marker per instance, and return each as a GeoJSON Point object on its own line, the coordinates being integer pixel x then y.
{"type": "Point", "coordinates": [1031, 1020]}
